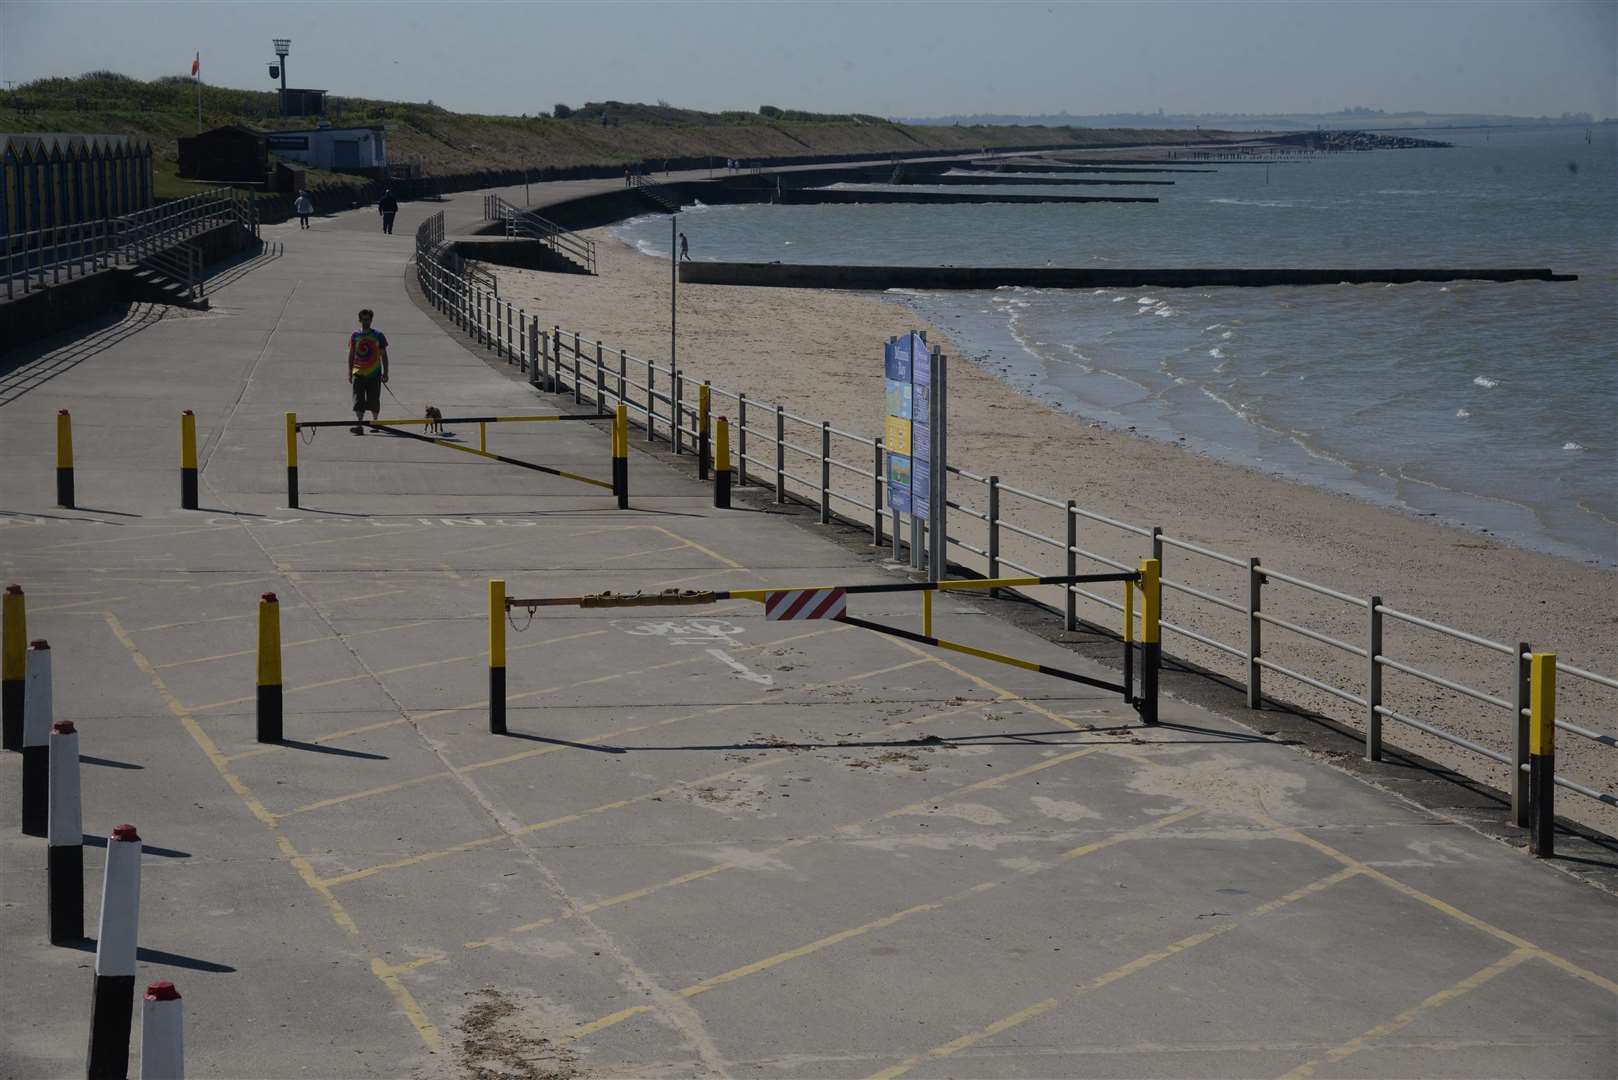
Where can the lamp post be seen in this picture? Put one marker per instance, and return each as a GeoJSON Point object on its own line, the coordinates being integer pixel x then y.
{"type": "Point", "coordinates": [282, 47]}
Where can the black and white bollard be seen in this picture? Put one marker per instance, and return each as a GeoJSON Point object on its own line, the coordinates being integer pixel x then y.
{"type": "Point", "coordinates": [162, 1033]}
{"type": "Point", "coordinates": [113, 1003]}
{"type": "Point", "coordinates": [36, 735]}
{"type": "Point", "coordinates": [65, 865]}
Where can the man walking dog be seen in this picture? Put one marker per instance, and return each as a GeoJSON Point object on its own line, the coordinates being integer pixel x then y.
{"type": "Point", "coordinates": [367, 369]}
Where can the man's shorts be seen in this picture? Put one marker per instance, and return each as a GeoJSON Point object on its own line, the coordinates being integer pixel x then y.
{"type": "Point", "coordinates": [367, 394]}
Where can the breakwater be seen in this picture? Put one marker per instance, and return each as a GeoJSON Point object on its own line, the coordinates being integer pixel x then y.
{"type": "Point", "coordinates": [818, 197]}
{"type": "Point", "coordinates": [787, 275]}
{"type": "Point", "coordinates": [1030, 167]}
{"type": "Point", "coordinates": [991, 179]}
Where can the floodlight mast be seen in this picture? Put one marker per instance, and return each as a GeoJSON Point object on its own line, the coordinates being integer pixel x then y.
{"type": "Point", "coordinates": [282, 47]}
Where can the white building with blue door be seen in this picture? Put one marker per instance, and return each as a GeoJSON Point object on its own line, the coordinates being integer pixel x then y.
{"type": "Point", "coordinates": [333, 149]}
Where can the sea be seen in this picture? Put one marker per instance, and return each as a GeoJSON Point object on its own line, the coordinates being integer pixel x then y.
{"type": "Point", "coordinates": [1489, 406]}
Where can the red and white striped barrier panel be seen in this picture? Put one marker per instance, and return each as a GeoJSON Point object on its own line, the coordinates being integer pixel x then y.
{"type": "Point", "coordinates": [790, 604]}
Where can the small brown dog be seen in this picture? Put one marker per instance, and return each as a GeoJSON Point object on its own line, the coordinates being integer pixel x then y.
{"type": "Point", "coordinates": [435, 420]}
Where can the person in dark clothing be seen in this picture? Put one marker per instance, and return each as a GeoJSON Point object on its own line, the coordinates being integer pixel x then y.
{"type": "Point", "coordinates": [388, 206]}
{"type": "Point", "coordinates": [685, 249]}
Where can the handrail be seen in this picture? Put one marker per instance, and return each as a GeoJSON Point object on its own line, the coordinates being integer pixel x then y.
{"type": "Point", "coordinates": [77, 248]}
{"type": "Point", "coordinates": [764, 452]}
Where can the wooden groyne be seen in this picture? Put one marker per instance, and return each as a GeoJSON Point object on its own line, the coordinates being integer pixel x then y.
{"type": "Point", "coordinates": [786, 275]}
{"type": "Point", "coordinates": [822, 196]}
{"type": "Point", "coordinates": [994, 179]}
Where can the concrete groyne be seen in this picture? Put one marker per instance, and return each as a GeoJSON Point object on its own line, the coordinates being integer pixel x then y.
{"type": "Point", "coordinates": [1030, 167]}
{"type": "Point", "coordinates": [996, 180]}
{"type": "Point", "coordinates": [786, 275]}
{"type": "Point", "coordinates": [821, 196]}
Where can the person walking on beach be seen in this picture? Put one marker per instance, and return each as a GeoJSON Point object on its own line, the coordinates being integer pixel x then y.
{"type": "Point", "coordinates": [303, 206]}
{"type": "Point", "coordinates": [388, 206]}
{"type": "Point", "coordinates": [685, 249]}
{"type": "Point", "coordinates": [367, 369]}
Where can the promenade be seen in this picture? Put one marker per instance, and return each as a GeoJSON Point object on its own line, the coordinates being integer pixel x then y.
{"type": "Point", "coordinates": [710, 844]}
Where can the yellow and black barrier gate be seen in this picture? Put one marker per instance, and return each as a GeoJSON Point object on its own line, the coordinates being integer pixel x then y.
{"type": "Point", "coordinates": [830, 602]}
{"type": "Point", "coordinates": [618, 485]}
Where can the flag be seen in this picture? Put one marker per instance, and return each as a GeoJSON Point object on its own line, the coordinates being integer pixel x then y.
{"type": "Point", "coordinates": [196, 65]}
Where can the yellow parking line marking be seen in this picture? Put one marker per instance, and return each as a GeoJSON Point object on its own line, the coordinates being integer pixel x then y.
{"type": "Point", "coordinates": [526, 694]}
{"type": "Point", "coordinates": [647, 551]}
{"type": "Point", "coordinates": [540, 751]}
{"type": "Point", "coordinates": [254, 613]}
{"type": "Point", "coordinates": [710, 552]}
{"type": "Point", "coordinates": [1436, 904]}
{"type": "Point", "coordinates": [698, 577]}
{"type": "Point", "coordinates": [1122, 972]}
{"type": "Point", "coordinates": [1405, 1019]}
{"type": "Point", "coordinates": [726, 977]}
{"type": "Point", "coordinates": [77, 603]}
{"type": "Point", "coordinates": [334, 736]}
{"type": "Point", "coordinates": [132, 538]}
{"type": "Point", "coordinates": [719, 868]}
{"type": "Point", "coordinates": [275, 553]}
{"type": "Point", "coordinates": [414, 717]}
{"type": "Point", "coordinates": [524, 830]}
{"type": "Point", "coordinates": [294, 644]}
{"type": "Point", "coordinates": [212, 705]}
{"type": "Point", "coordinates": [407, 1003]}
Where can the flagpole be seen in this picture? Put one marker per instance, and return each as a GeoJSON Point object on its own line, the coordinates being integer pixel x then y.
{"type": "Point", "coordinates": [196, 77]}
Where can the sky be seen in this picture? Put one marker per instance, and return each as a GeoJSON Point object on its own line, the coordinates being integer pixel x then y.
{"type": "Point", "coordinates": [919, 58]}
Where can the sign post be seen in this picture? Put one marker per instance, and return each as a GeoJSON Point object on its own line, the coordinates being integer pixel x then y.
{"type": "Point", "coordinates": [913, 436]}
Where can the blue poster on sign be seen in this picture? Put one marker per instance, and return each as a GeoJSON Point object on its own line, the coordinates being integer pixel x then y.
{"type": "Point", "coordinates": [899, 483]}
{"type": "Point", "coordinates": [896, 359]}
{"type": "Point", "coordinates": [898, 398]}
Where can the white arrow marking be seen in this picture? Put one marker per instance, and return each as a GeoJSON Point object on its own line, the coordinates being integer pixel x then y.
{"type": "Point", "coordinates": [741, 670]}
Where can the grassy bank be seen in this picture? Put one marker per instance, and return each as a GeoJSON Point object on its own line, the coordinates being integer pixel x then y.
{"type": "Point", "coordinates": [450, 144]}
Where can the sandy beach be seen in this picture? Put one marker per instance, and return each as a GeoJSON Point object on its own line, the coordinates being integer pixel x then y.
{"type": "Point", "coordinates": [818, 354]}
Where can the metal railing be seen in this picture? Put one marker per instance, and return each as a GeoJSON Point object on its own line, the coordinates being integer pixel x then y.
{"type": "Point", "coordinates": [656, 192]}
{"type": "Point", "coordinates": [1221, 606]}
{"type": "Point", "coordinates": [525, 223]}
{"type": "Point", "coordinates": [67, 251]}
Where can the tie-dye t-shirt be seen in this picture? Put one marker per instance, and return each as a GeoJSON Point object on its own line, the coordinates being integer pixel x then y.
{"type": "Point", "coordinates": [365, 353]}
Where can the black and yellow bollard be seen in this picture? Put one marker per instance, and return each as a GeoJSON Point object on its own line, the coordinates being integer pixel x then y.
{"type": "Point", "coordinates": [1542, 756]}
{"type": "Point", "coordinates": [1151, 646]}
{"type": "Point", "coordinates": [64, 459]}
{"type": "Point", "coordinates": [292, 460]}
{"type": "Point", "coordinates": [721, 471]}
{"type": "Point", "coordinates": [620, 456]}
{"type": "Point", "coordinates": [497, 657]}
{"type": "Point", "coordinates": [704, 427]}
{"type": "Point", "coordinates": [188, 460]}
{"type": "Point", "coordinates": [269, 669]}
{"type": "Point", "coordinates": [13, 666]}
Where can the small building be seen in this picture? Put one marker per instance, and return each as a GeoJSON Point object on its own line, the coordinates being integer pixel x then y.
{"type": "Point", "coordinates": [299, 102]}
{"type": "Point", "coordinates": [232, 154]}
{"type": "Point", "coordinates": [334, 149]}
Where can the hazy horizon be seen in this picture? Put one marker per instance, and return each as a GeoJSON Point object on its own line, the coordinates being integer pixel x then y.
{"type": "Point", "coordinates": [890, 59]}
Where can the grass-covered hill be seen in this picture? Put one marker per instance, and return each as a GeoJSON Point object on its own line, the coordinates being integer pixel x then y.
{"type": "Point", "coordinates": [450, 144]}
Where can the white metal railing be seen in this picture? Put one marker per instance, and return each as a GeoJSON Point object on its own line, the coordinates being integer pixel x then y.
{"type": "Point", "coordinates": [79, 248]}
{"type": "Point", "coordinates": [520, 222]}
{"type": "Point", "coordinates": [809, 461]}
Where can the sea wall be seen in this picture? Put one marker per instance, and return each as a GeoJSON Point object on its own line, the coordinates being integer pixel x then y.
{"type": "Point", "coordinates": [785, 275]}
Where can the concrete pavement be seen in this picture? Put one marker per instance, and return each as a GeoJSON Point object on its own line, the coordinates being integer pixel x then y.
{"type": "Point", "coordinates": [710, 844]}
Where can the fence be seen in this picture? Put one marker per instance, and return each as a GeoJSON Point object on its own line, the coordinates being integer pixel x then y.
{"type": "Point", "coordinates": [840, 473]}
{"type": "Point", "coordinates": [526, 223]}
{"type": "Point", "coordinates": [155, 237]}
